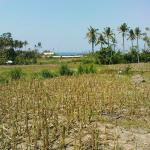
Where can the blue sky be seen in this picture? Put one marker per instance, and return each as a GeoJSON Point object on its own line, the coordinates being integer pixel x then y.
{"type": "Point", "coordinates": [62, 24]}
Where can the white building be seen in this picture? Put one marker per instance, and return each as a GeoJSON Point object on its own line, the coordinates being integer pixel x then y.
{"type": "Point", "coordinates": [48, 54]}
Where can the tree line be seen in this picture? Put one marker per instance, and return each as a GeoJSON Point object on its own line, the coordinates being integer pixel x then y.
{"type": "Point", "coordinates": [11, 49]}
{"type": "Point", "coordinates": [108, 42]}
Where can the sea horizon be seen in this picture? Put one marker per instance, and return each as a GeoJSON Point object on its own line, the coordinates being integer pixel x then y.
{"type": "Point", "coordinates": [68, 53]}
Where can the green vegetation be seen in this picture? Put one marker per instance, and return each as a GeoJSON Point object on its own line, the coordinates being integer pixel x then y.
{"type": "Point", "coordinates": [64, 70]}
{"type": "Point", "coordinates": [16, 74]}
{"type": "Point", "coordinates": [14, 51]}
{"type": "Point", "coordinates": [10, 49]}
{"type": "Point", "coordinates": [84, 69]}
{"type": "Point", "coordinates": [108, 54]}
{"type": "Point", "coordinates": [46, 74]}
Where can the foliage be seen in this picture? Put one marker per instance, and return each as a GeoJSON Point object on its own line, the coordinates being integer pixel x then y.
{"type": "Point", "coordinates": [86, 69]}
{"type": "Point", "coordinates": [26, 57]}
{"type": "Point", "coordinates": [105, 56]}
{"type": "Point", "coordinates": [64, 70]}
{"type": "Point", "coordinates": [92, 36]}
{"type": "Point", "coordinates": [16, 74]}
{"type": "Point", "coordinates": [10, 49]}
{"type": "Point", "coordinates": [145, 56]}
{"type": "Point", "coordinates": [46, 74]}
{"type": "Point", "coordinates": [7, 54]}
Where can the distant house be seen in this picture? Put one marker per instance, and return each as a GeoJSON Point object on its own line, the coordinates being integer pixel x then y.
{"type": "Point", "coordinates": [47, 54]}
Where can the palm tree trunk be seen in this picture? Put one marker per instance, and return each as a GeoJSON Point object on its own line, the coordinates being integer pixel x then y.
{"type": "Point", "coordinates": [108, 42]}
{"type": "Point", "coordinates": [138, 58]}
{"type": "Point", "coordinates": [101, 45]}
{"type": "Point", "coordinates": [132, 43]}
{"type": "Point", "coordinates": [114, 47]}
{"type": "Point", "coordinates": [92, 47]}
{"type": "Point", "coordinates": [123, 42]}
{"type": "Point", "coordinates": [145, 46]}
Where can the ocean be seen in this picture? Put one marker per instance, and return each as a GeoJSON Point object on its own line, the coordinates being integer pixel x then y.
{"type": "Point", "coordinates": [69, 53]}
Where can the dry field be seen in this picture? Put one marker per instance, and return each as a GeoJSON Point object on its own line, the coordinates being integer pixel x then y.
{"type": "Point", "coordinates": [86, 112]}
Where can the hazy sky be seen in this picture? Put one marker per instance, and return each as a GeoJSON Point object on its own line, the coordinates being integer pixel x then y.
{"type": "Point", "coordinates": [62, 24]}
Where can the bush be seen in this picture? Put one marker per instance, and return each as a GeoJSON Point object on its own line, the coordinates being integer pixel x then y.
{"type": "Point", "coordinates": [64, 70]}
{"type": "Point", "coordinates": [92, 69]}
{"type": "Point", "coordinates": [81, 69]}
{"type": "Point", "coordinates": [26, 57]}
{"type": "Point", "coordinates": [16, 74]}
{"type": "Point", "coordinates": [46, 74]}
{"type": "Point", "coordinates": [86, 69]}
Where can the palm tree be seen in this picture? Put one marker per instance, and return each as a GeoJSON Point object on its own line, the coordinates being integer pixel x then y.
{"type": "Point", "coordinates": [146, 38]}
{"type": "Point", "coordinates": [123, 29]}
{"type": "Point", "coordinates": [138, 34]}
{"type": "Point", "coordinates": [147, 29]}
{"type": "Point", "coordinates": [131, 36]}
{"type": "Point", "coordinates": [15, 44]}
{"type": "Point", "coordinates": [92, 36]}
{"type": "Point", "coordinates": [101, 40]}
{"type": "Point", "coordinates": [114, 42]}
{"type": "Point", "coordinates": [25, 44]}
{"type": "Point", "coordinates": [20, 44]}
{"type": "Point", "coordinates": [108, 34]}
{"type": "Point", "coordinates": [39, 44]}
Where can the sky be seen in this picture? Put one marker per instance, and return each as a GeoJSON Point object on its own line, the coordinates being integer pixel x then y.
{"type": "Point", "coordinates": [63, 24]}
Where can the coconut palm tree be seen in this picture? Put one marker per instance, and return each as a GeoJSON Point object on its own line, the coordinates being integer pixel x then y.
{"type": "Point", "coordinates": [146, 39]}
{"type": "Point", "coordinates": [123, 29]}
{"type": "Point", "coordinates": [108, 33]}
{"type": "Point", "coordinates": [114, 42]}
{"type": "Point", "coordinates": [138, 35]}
{"type": "Point", "coordinates": [92, 36]}
{"type": "Point", "coordinates": [39, 44]}
{"type": "Point", "coordinates": [131, 36]}
{"type": "Point", "coordinates": [15, 44]}
{"type": "Point", "coordinates": [147, 29]}
{"type": "Point", "coordinates": [101, 40]}
{"type": "Point", "coordinates": [25, 44]}
{"type": "Point", "coordinates": [20, 45]}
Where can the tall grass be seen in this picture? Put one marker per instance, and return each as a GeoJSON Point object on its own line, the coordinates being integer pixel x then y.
{"type": "Point", "coordinates": [64, 70]}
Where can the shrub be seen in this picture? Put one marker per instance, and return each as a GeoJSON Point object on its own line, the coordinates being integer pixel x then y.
{"type": "Point", "coordinates": [16, 74]}
{"type": "Point", "coordinates": [64, 70]}
{"type": "Point", "coordinates": [46, 74]}
{"type": "Point", "coordinates": [86, 69]}
{"type": "Point", "coordinates": [92, 69]}
{"type": "Point", "coordinates": [81, 69]}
